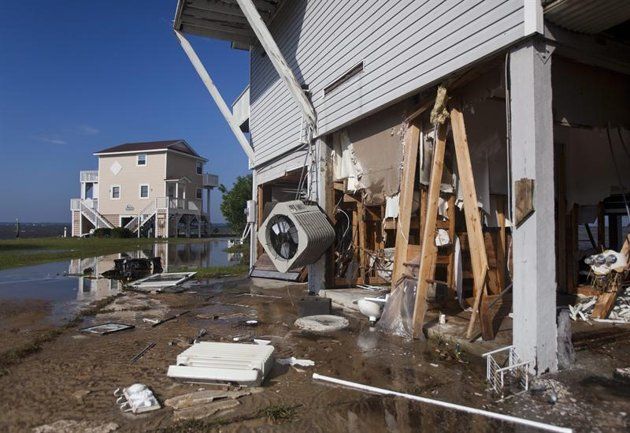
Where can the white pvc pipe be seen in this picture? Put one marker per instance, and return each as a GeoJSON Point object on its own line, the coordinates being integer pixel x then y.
{"type": "Point", "coordinates": [471, 410]}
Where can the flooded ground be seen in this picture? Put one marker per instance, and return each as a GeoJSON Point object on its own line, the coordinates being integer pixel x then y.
{"type": "Point", "coordinates": [72, 378]}
{"type": "Point", "coordinates": [64, 289]}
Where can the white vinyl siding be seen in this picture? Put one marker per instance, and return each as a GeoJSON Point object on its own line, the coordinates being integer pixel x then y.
{"type": "Point", "coordinates": [404, 46]}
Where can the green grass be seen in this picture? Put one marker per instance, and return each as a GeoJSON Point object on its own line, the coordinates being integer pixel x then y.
{"type": "Point", "coordinates": [24, 252]}
{"type": "Point", "coordinates": [219, 271]}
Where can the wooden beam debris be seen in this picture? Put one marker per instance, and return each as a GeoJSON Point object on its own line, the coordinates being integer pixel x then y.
{"type": "Point", "coordinates": [410, 160]}
{"type": "Point", "coordinates": [478, 254]}
{"type": "Point", "coordinates": [428, 249]}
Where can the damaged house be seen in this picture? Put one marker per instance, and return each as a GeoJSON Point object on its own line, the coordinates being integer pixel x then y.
{"type": "Point", "coordinates": [473, 152]}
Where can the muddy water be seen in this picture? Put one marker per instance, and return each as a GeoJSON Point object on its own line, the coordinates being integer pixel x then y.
{"type": "Point", "coordinates": [73, 377]}
{"type": "Point", "coordinates": [62, 286]}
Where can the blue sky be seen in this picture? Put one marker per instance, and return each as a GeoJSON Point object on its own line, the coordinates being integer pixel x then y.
{"type": "Point", "coordinates": [78, 76]}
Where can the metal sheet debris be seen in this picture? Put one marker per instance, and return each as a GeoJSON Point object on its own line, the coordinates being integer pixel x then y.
{"type": "Point", "coordinates": [106, 328]}
{"type": "Point", "coordinates": [161, 282]}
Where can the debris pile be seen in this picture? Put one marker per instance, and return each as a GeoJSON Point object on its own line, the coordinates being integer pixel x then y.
{"type": "Point", "coordinates": [585, 305]}
{"type": "Point", "coordinates": [204, 403]}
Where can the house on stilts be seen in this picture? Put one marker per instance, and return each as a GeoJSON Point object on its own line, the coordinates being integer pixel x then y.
{"type": "Point", "coordinates": [479, 148]}
{"type": "Point", "coordinates": [155, 189]}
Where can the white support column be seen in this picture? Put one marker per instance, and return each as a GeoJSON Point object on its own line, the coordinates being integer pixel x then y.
{"type": "Point", "coordinates": [317, 271]}
{"type": "Point", "coordinates": [532, 157]}
{"type": "Point", "coordinates": [208, 207]}
{"type": "Point", "coordinates": [214, 92]}
{"type": "Point", "coordinates": [277, 59]}
{"type": "Point", "coordinates": [253, 233]}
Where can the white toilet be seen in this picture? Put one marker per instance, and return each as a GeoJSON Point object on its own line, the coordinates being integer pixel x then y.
{"type": "Point", "coordinates": [372, 307]}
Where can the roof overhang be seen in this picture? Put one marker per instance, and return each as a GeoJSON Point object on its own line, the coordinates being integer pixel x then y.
{"type": "Point", "coordinates": [222, 19]}
{"type": "Point", "coordinates": [587, 16]}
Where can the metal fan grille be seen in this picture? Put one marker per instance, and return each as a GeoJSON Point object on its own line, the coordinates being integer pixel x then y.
{"type": "Point", "coordinates": [283, 236]}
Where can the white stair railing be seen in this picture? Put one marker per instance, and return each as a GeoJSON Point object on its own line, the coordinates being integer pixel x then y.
{"type": "Point", "coordinates": [141, 219]}
{"type": "Point", "coordinates": [93, 216]}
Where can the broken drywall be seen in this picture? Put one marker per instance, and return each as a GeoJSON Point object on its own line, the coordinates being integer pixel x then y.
{"type": "Point", "coordinates": [377, 148]}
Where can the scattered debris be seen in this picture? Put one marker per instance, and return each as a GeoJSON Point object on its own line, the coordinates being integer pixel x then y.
{"type": "Point", "coordinates": [106, 328]}
{"type": "Point", "coordinates": [204, 397]}
{"type": "Point", "coordinates": [168, 319]}
{"type": "Point", "coordinates": [151, 321]}
{"type": "Point", "coordinates": [516, 370]}
{"type": "Point", "coordinates": [72, 426]}
{"type": "Point", "coordinates": [162, 282]}
{"type": "Point", "coordinates": [622, 375]}
{"type": "Point", "coordinates": [246, 364]}
{"type": "Point", "coordinates": [81, 394]}
{"type": "Point", "coordinates": [129, 268]}
{"type": "Point", "coordinates": [205, 410]}
{"type": "Point", "coordinates": [295, 361]}
{"type": "Point", "coordinates": [137, 398]}
{"type": "Point", "coordinates": [322, 323]}
{"type": "Point", "coordinates": [140, 354]}
{"type": "Point", "coordinates": [251, 322]}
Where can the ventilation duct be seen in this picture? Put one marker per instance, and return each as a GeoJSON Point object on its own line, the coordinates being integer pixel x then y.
{"type": "Point", "coordinates": [295, 234]}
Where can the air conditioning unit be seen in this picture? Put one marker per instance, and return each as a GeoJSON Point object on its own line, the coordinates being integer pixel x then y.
{"type": "Point", "coordinates": [295, 234]}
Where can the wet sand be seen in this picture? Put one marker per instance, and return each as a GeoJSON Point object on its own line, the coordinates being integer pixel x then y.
{"type": "Point", "coordinates": [74, 376]}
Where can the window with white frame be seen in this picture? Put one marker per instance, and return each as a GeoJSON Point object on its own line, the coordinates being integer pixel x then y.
{"type": "Point", "coordinates": [142, 159]}
{"type": "Point", "coordinates": [199, 167]}
{"type": "Point", "coordinates": [199, 193]}
{"type": "Point", "coordinates": [144, 191]}
{"type": "Point", "coordinates": [115, 192]}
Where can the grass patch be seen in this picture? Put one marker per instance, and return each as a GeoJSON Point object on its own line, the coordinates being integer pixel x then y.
{"type": "Point", "coordinates": [218, 271]}
{"type": "Point", "coordinates": [13, 356]}
{"type": "Point", "coordinates": [34, 251]}
{"type": "Point", "coordinates": [279, 413]}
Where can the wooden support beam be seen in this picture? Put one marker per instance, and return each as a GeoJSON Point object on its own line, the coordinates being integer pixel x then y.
{"type": "Point", "coordinates": [278, 61]}
{"type": "Point", "coordinates": [362, 241]}
{"type": "Point", "coordinates": [476, 242]}
{"type": "Point", "coordinates": [428, 248]}
{"type": "Point", "coordinates": [214, 92]}
{"type": "Point", "coordinates": [501, 250]}
{"type": "Point", "coordinates": [606, 301]}
{"type": "Point", "coordinates": [572, 250]}
{"type": "Point", "coordinates": [410, 160]}
{"type": "Point", "coordinates": [450, 269]}
{"type": "Point", "coordinates": [601, 227]}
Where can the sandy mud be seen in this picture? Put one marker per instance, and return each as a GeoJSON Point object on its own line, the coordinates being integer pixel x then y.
{"type": "Point", "coordinates": [70, 381]}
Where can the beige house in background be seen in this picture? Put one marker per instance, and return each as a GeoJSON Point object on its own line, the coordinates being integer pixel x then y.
{"type": "Point", "coordinates": [155, 187]}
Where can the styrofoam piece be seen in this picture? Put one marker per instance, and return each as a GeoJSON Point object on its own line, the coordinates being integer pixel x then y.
{"type": "Point", "coordinates": [137, 398]}
{"type": "Point", "coordinates": [246, 364]}
{"type": "Point", "coordinates": [162, 281]}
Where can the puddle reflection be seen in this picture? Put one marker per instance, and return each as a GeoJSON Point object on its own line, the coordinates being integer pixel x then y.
{"type": "Point", "coordinates": [70, 284]}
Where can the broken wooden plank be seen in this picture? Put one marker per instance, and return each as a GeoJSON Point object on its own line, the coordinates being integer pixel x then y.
{"type": "Point", "coordinates": [606, 301]}
{"type": "Point", "coordinates": [428, 248]}
{"type": "Point", "coordinates": [410, 159]}
{"type": "Point", "coordinates": [475, 309]}
{"type": "Point", "coordinates": [476, 243]}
